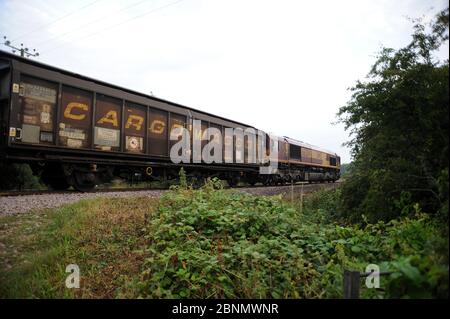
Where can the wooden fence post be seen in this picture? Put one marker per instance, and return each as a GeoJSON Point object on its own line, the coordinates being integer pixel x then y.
{"type": "Point", "coordinates": [351, 284]}
{"type": "Point", "coordinates": [301, 199]}
{"type": "Point", "coordinates": [292, 191]}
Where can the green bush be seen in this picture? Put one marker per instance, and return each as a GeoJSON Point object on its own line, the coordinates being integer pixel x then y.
{"type": "Point", "coordinates": [18, 176]}
{"type": "Point", "coordinates": [215, 243]}
{"type": "Point", "coordinates": [325, 204]}
{"type": "Point", "coordinates": [210, 243]}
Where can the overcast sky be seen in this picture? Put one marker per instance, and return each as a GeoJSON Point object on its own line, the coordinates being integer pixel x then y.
{"type": "Point", "coordinates": [281, 66]}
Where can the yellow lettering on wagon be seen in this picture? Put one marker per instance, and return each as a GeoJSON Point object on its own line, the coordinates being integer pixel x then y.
{"type": "Point", "coordinates": [110, 117]}
{"type": "Point", "coordinates": [136, 121]}
{"type": "Point", "coordinates": [157, 127]}
{"type": "Point", "coordinates": [74, 105]}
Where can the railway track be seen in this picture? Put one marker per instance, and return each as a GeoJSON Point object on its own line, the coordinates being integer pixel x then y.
{"type": "Point", "coordinates": [25, 201]}
{"type": "Point", "coordinates": [45, 192]}
{"type": "Point", "coordinates": [143, 189]}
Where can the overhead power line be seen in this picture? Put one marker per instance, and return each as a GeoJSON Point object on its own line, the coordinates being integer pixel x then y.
{"type": "Point", "coordinates": [24, 51]}
{"type": "Point", "coordinates": [90, 23]}
{"type": "Point", "coordinates": [54, 21]}
{"type": "Point", "coordinates": [117, 25]}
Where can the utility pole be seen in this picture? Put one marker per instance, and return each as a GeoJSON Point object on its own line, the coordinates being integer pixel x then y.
{"type": "Point", "coordinates": [24, 51]}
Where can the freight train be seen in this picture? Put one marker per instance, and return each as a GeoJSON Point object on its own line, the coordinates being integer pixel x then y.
{"type": "Point", "coordinates": [77, 131]}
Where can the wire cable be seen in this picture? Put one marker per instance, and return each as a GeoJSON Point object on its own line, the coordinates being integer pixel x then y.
{"type": "Point", "coordinates": [54, 21]}
{"type": "Point", "coordinates": [89, 23]}
{"type": "Point", "coordinates": [116, 25]}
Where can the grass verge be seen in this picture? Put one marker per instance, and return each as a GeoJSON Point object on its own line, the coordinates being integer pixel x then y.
{"type": "Point", "coordinates": [102, 236]}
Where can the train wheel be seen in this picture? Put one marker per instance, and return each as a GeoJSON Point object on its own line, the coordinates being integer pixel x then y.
{"type": "Point", "coordinates": [83, 182]}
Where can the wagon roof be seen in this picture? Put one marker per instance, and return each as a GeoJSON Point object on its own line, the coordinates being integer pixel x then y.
{"type": "Point", "coordinates": [306, 145]}
{"type": "Point", "coordinates": [83, 77]}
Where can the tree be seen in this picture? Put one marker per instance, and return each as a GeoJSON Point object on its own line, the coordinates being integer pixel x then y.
{"type": "Point", "coordinates": [346, 169]}
{"type": "Point", "coordinates": [399, 122]}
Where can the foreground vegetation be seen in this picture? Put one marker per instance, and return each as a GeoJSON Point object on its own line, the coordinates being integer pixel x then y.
{"type": "Point", "coordinates": [214, 243]}
{"type": "Point", "coordinates": [236, 245]}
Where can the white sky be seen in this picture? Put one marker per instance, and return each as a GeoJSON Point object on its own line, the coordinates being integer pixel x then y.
{"type": "Point", "coordinates": [281, 66]}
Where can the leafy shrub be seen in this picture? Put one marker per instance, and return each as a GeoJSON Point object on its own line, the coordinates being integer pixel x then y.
{"type": "Point", "coordinates": [216, 243]}
{"type": "Point", "coordinates": [18, 176]}
{"type": "Point", "coordinates": [323, 205]}
{"type": "Point", "coordinates": [414, 248]}
{"type": "Point", "coordinates": [211, 243]}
